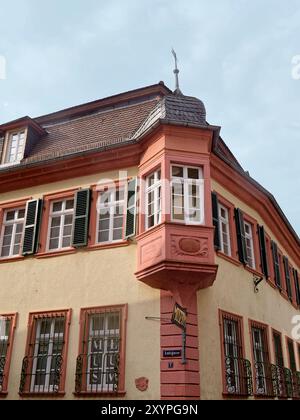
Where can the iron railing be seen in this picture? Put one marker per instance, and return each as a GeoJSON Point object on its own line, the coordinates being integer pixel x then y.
{"type": "Point", "coordinates": [284, 384]}
{"type": "Point", "coordinates": [264, 379]}
{"type": "Point", "coordinates": [296, 385]}
{"type": "Point", "coordinates": [41, 381]}
{"type": "Point", "coordinates": [238, 376]}
{"type": "Point", "coordinates": [2, 366]}
{"type": "Point", "coordinates": [97, 373]}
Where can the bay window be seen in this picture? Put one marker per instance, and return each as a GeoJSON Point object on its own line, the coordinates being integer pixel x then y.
{"type": "Point", "coordinates": [187, 195]}
{"type": "Point", "coordinates": [153, 199]}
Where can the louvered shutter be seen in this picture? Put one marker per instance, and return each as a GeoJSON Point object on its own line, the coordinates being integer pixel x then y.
{"type": "Point", "coordinates": [297, 286]}
{"type": "Point", "coordinates": [276, 265]}
{"type": "Point", "coordinates": [81, 218]}
{"type": "Point", "coordinates": [241, 238]}
{"type": "Point", "coordinates": [130, 228]}
{"type": "Point", "coordinates": [215, 215]}
{"type": "Point", "coordinates": [263, 251]}
{"type": "Point", "coordinates": [32, 225]}
{"type": "Point", "coordinates": [287, 277]}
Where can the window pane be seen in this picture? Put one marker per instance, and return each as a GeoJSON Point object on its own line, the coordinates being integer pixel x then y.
{"type": "Point", "coordinates": [54, 232]}
{"type": "Point", "coordinates": [193, 173]}
{"type": "Point", "coordinates": [177, 171]}
{"type": "Point", "coordinates": [117, 234]}
{"type": "Point", "coordinates": [69, 219]}
{"type": "Point", "coordinates": [57, 206]}
{"type": "Point", "coordinates": [5, 251]}
{"type": "Point", "coordinates": [103, 236]}
{"type": "Point", "coordinates": [66, 242]}
{"type": "Point", "coordinates": [21, 214]}
{"type": "Point", "coordinates": [69, 204]}
{"type": "Point", "coordinates": [53, 244]}
{"type": "Point", "coordinates": [10, 215]}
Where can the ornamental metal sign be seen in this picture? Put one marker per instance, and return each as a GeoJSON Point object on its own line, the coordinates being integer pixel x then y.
{"type": "Point", "coordinates": [179, 317]}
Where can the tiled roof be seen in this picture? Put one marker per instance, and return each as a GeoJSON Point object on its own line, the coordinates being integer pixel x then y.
{"type": "Point", "coordinates": [179, 109]}
{"type": "Point", "coordinates": [90, 132]}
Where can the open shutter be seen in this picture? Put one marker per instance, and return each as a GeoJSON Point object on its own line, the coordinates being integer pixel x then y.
{"type": "Point", "coordinates": [297, 286]}
{"type": "Point", "coordinates": [287, 277]}
{"type": "Point", "coordinates": [276, 265]}
{"type": "Point", "coordinates": [130, 227]}
{"type": "Point", "coordinates": [215, 215]}
{"type": "Point", "coordinates": [241, 238]}
{"type": "Point", "coordinates": [81, 218]}
{"type": "Point", "coordinates": [263, 251]}
{"type": "Point", "coordinates": [32, 225]}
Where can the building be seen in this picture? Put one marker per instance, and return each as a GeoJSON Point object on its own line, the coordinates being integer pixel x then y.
{"type": "Point", "coordinates": [117, 213]}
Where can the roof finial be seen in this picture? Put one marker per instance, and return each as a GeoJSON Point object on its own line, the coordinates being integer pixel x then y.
{"type": "Point", "coordinates": [176, 72]}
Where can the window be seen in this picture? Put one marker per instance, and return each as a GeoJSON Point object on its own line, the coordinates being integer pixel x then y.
{"type": "Point", "coordinates": [280, 388]}
{"type": "Point", "coordinates": [153, 199]}
{"type": "Point", "coordinates": [279, 360]}
{"type": "Point", "coordinates": [263, 369]}
{"type": "Point", "coordinates": [100, 366]}
{"type": "Point", "coordinates": [237, 370]}
{"type": "Point", "coordinates": [60, 224]}
{"type": "Point", "coordinates": [187, 195]}
{"type": "Point", "coordinates": [12, 232]}
{"type": "Point", "coordinates": [7, 325]}
{"type": "Point", "coordinates": [110, 208]}
{"type": "Point", "coordinates": [249, 244]}
{"type": "Point", "coordinates": [224, 230]}
{"type": "Point", "coordinates": [291, 354]}
{"type": "Point", "coordinates": [15, 147]}
{"type": "Point", "coordinates": [44, 366]}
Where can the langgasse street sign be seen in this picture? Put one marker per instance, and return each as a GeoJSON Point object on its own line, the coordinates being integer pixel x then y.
{"type": "Point", "coordinates": [179, 317]}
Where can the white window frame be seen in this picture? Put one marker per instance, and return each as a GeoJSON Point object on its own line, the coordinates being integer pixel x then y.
{"type": "Point", "coordinates": [13, 222]}
{"type": "Point", "coordinates": [186, 183]}
{"type": "Point", "coordinates": [249, 237]}
{"type": "Point", "coordinates": [20, 149]}
{"type": "Point", "coordinates": [105, 333]}
{"type": "Point", "coordinates": [47, 388]}
{"type": "Point", "coordinates": [62, 214]}
{"type": "Point", "coordinates": [155, 188]}
{"type": "Point", "coordinates": [113, 203]}
{"type": "Point", "coordinates": [224, 222]}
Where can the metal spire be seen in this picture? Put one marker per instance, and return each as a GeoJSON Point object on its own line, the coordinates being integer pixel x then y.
{"type": "Point", "coordinates": [176, 72]}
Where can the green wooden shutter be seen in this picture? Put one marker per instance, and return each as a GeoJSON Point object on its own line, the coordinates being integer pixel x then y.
{"type": "Point", "coordinates": [241, 238]}
{"type": "Point", "coordinates": [287, 277]}
{"type": "Point", "coordinates": [263, 251]}
{"type": "Point", "coordinates": [276, 265]}
{"type": "Point", "coordinates": [32, 225]}
{"type": "Point", "coordinates": [215, 215]}
{"type": "Point", "coordinates": [297, 286]}
{"type": "Point", "coordinates": [81, 218]}
{"type": "Point", "coordinates": [130, 227]}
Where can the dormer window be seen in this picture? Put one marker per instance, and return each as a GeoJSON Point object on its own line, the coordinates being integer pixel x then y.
{"type": "Point", "coordinates": [15, 147]}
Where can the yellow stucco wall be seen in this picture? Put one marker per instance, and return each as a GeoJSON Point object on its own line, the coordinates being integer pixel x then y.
{"type": "Point", "coordinates": [84, 279]}
{"type": "Point", "coordinates": [233, 292]}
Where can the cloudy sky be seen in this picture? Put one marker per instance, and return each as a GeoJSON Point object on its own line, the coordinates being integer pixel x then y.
{"type": "Point", "coordinates": [235, 55]}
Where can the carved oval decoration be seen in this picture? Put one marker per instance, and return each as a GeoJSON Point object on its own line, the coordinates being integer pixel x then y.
{"type": "Point", "coordinates": [189, 245]}
{"type": "Point", "coordinates": [142, 384]}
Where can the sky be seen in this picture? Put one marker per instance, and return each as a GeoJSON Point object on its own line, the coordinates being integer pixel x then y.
{"type": "Point", "coordinates": [235, 55]}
